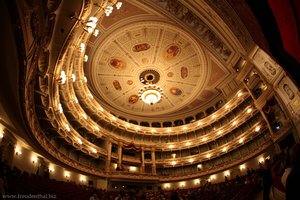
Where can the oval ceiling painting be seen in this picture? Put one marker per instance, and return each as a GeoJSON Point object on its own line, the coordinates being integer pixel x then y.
{"type": "Point", "coordinates": [176, 91]}
{"type": "Point", "coordinates": [117, 85]}
{"type": "Point", "coordinates": [171, 52]}
{"type": "Point", "coordinates": [117, 63]}
{"type": "Point", "coordinates": [141, 47]}
{"type": "Point", "coordinates": [133, 99]}
{"type": "Point", "coordinates": [184, 72]}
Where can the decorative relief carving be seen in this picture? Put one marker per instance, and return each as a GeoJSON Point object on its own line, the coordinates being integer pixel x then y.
{"type": "Point", "coordinates": [288, 91]}
{"type": "Point", "coordinates": [290, 95]}
{"type": "Point", "coordinates": [269, 68]}
{"type": "Point", "coordinates": [183, 13]}
{"type": "Point", "coordinates": [43, 62]}
{"type": "Point", "coordinates": [170, 74]}
{"type": "Point", "coordinates": [129, 82]}
{"type": "Point", "coordinates": [225, 11]}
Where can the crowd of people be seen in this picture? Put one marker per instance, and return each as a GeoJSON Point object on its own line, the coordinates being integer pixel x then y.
{"type": "Point", "coordinates": [278, 178]}
{"type": "Point", "coordinates": [281, 175]}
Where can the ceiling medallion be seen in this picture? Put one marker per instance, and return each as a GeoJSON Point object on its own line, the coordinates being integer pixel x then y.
{"type": "Point", "coordinates": [150, 93]}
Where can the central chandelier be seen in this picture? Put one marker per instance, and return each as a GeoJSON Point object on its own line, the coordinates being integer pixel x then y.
{"type": "Point", "coordinates": [150, 94]}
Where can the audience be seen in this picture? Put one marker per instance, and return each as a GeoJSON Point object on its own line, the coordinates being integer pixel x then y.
{"type": "Point", "coordinates": [281, 173]}
{"type": "Point", "coordinates": [293, 179]}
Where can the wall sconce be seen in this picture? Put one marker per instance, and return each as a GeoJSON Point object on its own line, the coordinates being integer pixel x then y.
{"type": "Point", "coordinates": [242, 167]}
{"type": "Point", "coordinates": [51, 169]}
{"type": "Point", "coordinates": [67, 174]}
{"type": "Point", "coordinates": [1, 133]}
{"type": "Point", "coordinates": [34, 159]}
{"type": "Point", "coordinates": [82, 178]}
{"type": "Point", "coordinates": [18, 151]}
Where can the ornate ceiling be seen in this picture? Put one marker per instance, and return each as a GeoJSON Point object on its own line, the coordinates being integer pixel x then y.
{"type": "Point", "coordinates": [190, 61]}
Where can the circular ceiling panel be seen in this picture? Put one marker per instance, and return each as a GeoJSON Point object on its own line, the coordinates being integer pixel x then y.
{"type": "Point", "coordinates": [154, 53]}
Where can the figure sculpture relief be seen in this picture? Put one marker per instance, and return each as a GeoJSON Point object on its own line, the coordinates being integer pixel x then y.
{"type": "Point", "coordinates": [270, 68]}
{"type": "Point", "coordinates": [288, 91]}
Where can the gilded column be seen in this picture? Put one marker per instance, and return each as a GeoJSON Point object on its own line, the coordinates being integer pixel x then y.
{"type": "Point", "coordinates": [108, 159]}
{"type": "Point", "coordinates": [153, 161]}
{"type": "Point", "coordinates": [142, 160]}
{"type": "Point", "coordinates": [120, 155]}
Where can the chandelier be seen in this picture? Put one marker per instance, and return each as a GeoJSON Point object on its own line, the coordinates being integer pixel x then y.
{"type": "Point", "coordinates": [150, 93]}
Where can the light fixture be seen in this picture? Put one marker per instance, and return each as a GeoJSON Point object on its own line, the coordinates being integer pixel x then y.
{"type": "Point", "coordinates": [88, 25]}
{"type": "Point", "coordinates": [108, 10]}
{"type": "Point", "coordinates": [151, 94]}
{"type": "Point", "coordinates": [119, 5]}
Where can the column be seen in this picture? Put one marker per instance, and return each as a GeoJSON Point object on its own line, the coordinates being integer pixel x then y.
{"type": "Point", "coordinates": [153, 161]}
{"type": "Point", "coordinates": [108, 159]}
{"type": "Point", "coordinates": [142, 160]}
{"type": "Point", "coordinates": [120, 155]}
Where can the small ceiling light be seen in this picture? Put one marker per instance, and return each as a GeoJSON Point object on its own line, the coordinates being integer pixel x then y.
{"type": "Point", "coordinates": [173, 155]}
{"type": "Point", "coordinates": [191, 160]}
{"type": "Point", "coordinates": [96, 32]}
{"type": "Point", "coordinates": [249, 110]}
{"type": "Point", "coordinates": [68, 127]}
{"type": "Point", "coordinates": [108, 10]}
{"type": "Point", "coordinates": [224, 149]}
{"type": "Point", "coordinates": [90, 25]}
{"type": "Point", "coordinates": [241, 140]}
{"type": "Point", "coordinates": [75, 99]}
{"type": "Point", "coordinates": [85, 58]}
{"type": "Point", "coordinates": [257, 128]}
{"type": "Point", "coordinates": [73, 77]}
{"type": "Point", "coordinates": [60, 108]}
{"type": "Point", "coordinates": [1, 134]}
{"type": "Point", "coordinates": [63, 77]}
{"type": "Point", "coordinates": [173, 163]}
{"type": "Point", "coordinates": [82, 47]}
{"type": "Point", "coordinates": [119, 5]}
{"type": "Point", "coordinates": [94, 150]}
{"type": "Point", "coordinates": [79, 140]}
